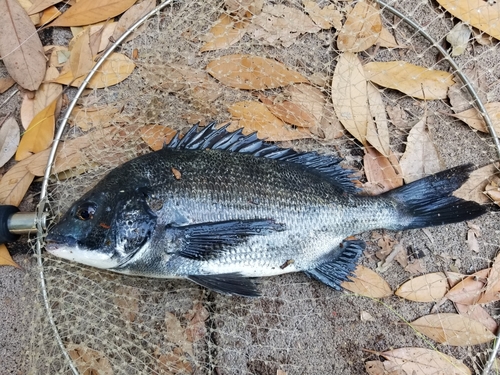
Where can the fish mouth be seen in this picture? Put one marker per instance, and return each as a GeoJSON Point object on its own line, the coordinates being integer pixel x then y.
{"type": "Point", "coordinates": [53, 242]}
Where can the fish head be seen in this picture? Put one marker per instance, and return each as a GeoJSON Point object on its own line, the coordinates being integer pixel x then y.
{"type": "Point", "coordinates": [103, 229]}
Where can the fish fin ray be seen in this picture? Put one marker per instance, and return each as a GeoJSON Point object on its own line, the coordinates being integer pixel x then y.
{"type": "Point", "coordinates": [227, 283]}
{"type": "Point", "coordinates": [221, 139]}
{"type": "Point", "coordinates": [207, 240]}
{"type": "Point", "coordinates": [333, 272]}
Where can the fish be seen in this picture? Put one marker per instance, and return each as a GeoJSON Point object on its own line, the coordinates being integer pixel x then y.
{"type": "Point", "coordinates": [222, 208]}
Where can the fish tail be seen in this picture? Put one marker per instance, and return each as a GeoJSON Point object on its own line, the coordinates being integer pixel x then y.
{"type": "Point", "coordinates": [429, 201]}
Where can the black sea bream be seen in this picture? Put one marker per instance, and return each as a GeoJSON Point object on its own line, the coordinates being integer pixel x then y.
{"type": "Point", "coordinates": [220, 208]}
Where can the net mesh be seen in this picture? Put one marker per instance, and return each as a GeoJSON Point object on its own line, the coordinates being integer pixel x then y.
{"type": "Point", "coordinates": [113, 324]}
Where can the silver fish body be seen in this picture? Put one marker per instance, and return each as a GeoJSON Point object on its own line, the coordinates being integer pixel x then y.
{"type": "Point", "coordinates": [220, 208]}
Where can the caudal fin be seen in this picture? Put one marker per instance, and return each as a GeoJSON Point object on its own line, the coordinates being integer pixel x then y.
{"type": "Point", "coordinates": [428, 202]}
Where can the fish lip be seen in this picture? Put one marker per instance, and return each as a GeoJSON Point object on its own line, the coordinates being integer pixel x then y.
{"type": "Point", "coordinates": [54, 241]}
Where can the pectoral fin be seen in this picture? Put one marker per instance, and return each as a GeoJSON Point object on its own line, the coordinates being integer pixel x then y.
{"type": "Point", "coordinates": [207, 240]}
{"type": "Point", "coordinates": [227, 283]}
{"type": "Point", "coordinates": [334, 271]}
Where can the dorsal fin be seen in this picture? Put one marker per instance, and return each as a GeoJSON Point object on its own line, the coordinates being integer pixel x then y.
{"type": "Point", "coordinates": [221, 139]}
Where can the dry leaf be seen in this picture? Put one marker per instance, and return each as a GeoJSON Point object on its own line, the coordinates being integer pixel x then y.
{"type": "Point", "coordinates": [325, 18]}
{"type": "Point", "coordinates": [131, 16]}
{"type": "Point", "coordinates": [39, 134]}
{"type": "Point", "coordinates": [6, 83]}
{"type": "Point", "coordinates": [49, 15]}
{"type": "Point", "coordinates": [474, 187]}
{"type": "Point", "coordinates": [89, 361]}
{"type": "Point", "coordinates": [478, 313]}
{"type": "Point", "coordinates": [366, 317]}
{"type": "Point", "coordinates": [472, 241]}
{"type": "Point", "coordinates": [175, 363]}
{"type": "Point", "coordinates": [382, 173]}
{"type": "Point", "coordinates": [100, 36]}
{"type": "Point", "coordinates": [255, 117]}
{"type": "Point", "coordinates": [23, 54]}
{"type": "Point", "coordinates": [423, 361]}
{"type": "Point", "coordinates": [492, 191]}
{"type": "Point", "coordinates": [87, 118]}
{"type": "Point", "coordinates": [5, 258]}
{"type": "Point", "coordinates": [367, 283]}
{"type": "Point", "coordinates": [469, 290]}
{"type": "Point", "coordinates": [81, 60]}
{"type": "Point", "coordinates": [225, 32]}
{"type": "Point", "coordinates": [39, 5]}
{"type": "Point", "coordinates": [387, 40]}
{"type": "Point", "coordinates": [196, 329]}
{"type": "Point", "coordinates": [252, 72]}
{"type": "Point", "coordinates": [492, 290]}
{"type": "Point", "coordinates": [86, 12]}
{"type": "Point", "coordinates": [126, 298]}
{"type": "Point", "coordinates": [473, 118]}
{"type": "Point", "coordinates": [15, 183]}
{"type": "Point", "coordinates": [377, 132]}
{"type": "Point", "coordinates": [115, 69]}
{"type": "Point", "coordinates": [288, 111]}
{"type": "Point", "coordinates": [349, 95]}
{"type": "Point", "coordinates": [458, 37]}
{"type": "Point", "coordinates": [426, 288]}
{"type": "Point", "coordinates": [479, 13]}
{"type": "Point", "coordinates": [361, 29]}
{"type": "Point", "coordinates": [9, 140]}
{"type": "Point", "coordinates": [48, 92]}
{"type": "Point", "coordinates": [176, 334]}
{"type": "Point", "coordinates": [421, 157]}
{"type": "Point", "coordinates": [280, 25]}
{"type": "Point", "coordinates": [453, 329]}
{"type": "Point", "coordinates": [244, 8]}
{"type": "Point", "coordinates": [413, 80]}
{"type": "Point", "coordinates": [27, 110]}
{"type": "Point", "coordinates": [156, 136]}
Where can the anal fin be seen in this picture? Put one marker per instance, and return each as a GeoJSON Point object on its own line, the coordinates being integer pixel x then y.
{"type": "Point", "coordinates": [227, 283]}
{"type": "Point", "coordinates": [335, 271]}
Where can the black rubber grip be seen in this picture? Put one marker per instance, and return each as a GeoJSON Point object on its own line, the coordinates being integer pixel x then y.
{"type": "Point", "coordinates": [5, 213]}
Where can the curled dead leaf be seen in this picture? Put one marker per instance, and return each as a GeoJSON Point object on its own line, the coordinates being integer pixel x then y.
{"type": "Point", "coordinates": [367, 283]}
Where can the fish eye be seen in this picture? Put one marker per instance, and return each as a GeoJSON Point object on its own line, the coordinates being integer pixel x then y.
{"type": "Point", "coordinates": [85, 212]}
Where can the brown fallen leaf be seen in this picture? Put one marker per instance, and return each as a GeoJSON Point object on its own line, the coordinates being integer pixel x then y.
{"type": "Point", "coordinates": [377, 131]}
{"type": "Point", "coordinates": [23, 54]}
{"type": "Point", "coordinates": [81, 60]}
{"type": "Point", "coordinates": [278, 25]}
{"type": "Point", "coordinates": [5, 258]}
{"type": "Point", "coordinates": [350, 96]}
{"type": "Point", "coordinates": [382, 173]}
{"type": "Point", "coordinates": [423, 361]}
{"type": "Point", "coordinates": [478, 180]}
{"type": "Point", "coordinates": [492, 289]}
{"type": "Point", "coordinates": [6, 83]}
{"type": "Point", "coordinates": [115, 69]}
{"type": "Point", "coordinates": [176, 334]}
{"type": "Point", "coordinates": [89, 361]}
{"type": "Point", "coordinates": [87, 118]}
{"type": "Point", "coordinates": [244, 8]}
{"type": "Point", "coordinates": [252, 72]}
{"type": "Point", "coordinates": [132, 15]}
{"type": "Point", "coordinates": [473, 118]}
{"type": "Point", "coordinates": [361, 29]}
{"type": "Point", "coordinates": [326, 17]}
{"type": "Point", "coordinates": [126, 298]}
{"type": "Point", "coordinates": [387, 40]}
{"type": "Point", "coordinates": [481, 14]}
{"type": "Point", "coordinates": [156, 136]}
{"type": "Point", "coordinates": [421, 157]}
{"type": "Point", "coordinates": [478, 313]}
{"type": "Point", "coordinates": [255, 117]}
{"type": "Point", "coordinates": [175, 363]}
{"type": "Point", "coordinates": [412, 80]}
{"type": "Point", "coordinates": [100, 36]}
{"type": "Point", "coordinates": [39, 134]}
{"type": "Point", "coordinates": [196, 329]}
{"type": "Point", "coordinates": [426, 288]}
{"type": "Point", "coordinates": [492, 191]}
{"type": "Point", "coordinates": [472, 236]}
{"type": "Point", "coordinates": [49, 15]}
{"type": "Point", "coordinates": [9, 139]}
{"type": "Point", "coordinates": [367, 283]}
{"type": "Point", "coordinates": [453, 329]}
{"type": "Point", "coordinates": [288, 111]}
{"type": "Point", "coordinates": [469, 290]}
{"type": "Point", "coordinates": [225, 32]}
{"type": "Point", "coordinates": [48, 92]}
{"type": "Point", "coordinates": [15, 183]}
{"type": "Point", "coordinates": [86, 12]}
{"type": "Point", "coordinates": [40, 5]}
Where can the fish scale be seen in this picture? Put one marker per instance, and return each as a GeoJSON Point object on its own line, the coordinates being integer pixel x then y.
{"type": "Point", "coordinates": [220, 208]}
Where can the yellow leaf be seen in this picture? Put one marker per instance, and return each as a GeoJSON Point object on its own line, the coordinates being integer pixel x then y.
{"type": "Point", "coordinates": [413, 80]}
{"type": "Point", "coordinates": [255, 117]}
{"type": "Point", "coordinates": [423, 361]}
{"type": "Point", "coordinates": [156, 135]}
{"type": "Point", "coordinates": [5, 258]}
{"type": "Point", "coordinates": [361, 29]}
{"type": "Point", "coordinates": [81, 60]}
{"type": "Point", "coordinates": [377, 131]}
{"type": "Point", "coordinates": [115, 69]}
{"type": "Point", "coordinates": [453, 329]}
{"type": "Point", "coordinates": [367, 283]}
{"type": "Point", "coordinates": [382, 173]}
{"type": "Point", "coordinates": [473, 118]}
{"type": "Point", "coordinates": [86, 12]}
{"type": "Point", "coordinates": [20, 46]}
{"type": "Point", "coordinates": [485, 15]}
{"type": "Point", "coordinates": [349, 95]}
{"type": "Point", "coordinates": [39, 134]}
{"type": "Point", "coordinates": [252, 72]}
{"type": "Point", "coordinates": [15, 183]}
{"type": "Point", "coordinates": [224, 33]}
{"type": "Point", "coordinates": [426, 288]}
